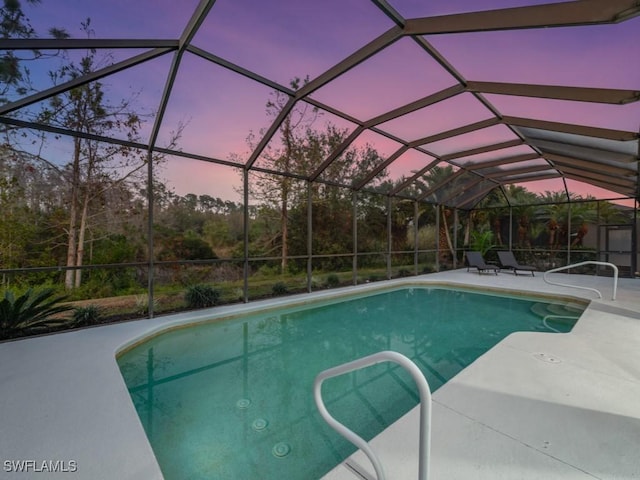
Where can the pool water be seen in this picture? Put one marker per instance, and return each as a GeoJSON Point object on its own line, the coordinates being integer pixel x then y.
{"type": "Point", "coordinates": [233, 399]}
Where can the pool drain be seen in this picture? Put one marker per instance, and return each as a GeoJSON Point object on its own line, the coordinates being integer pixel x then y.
{"type": "Point", "coordinates": [259, 424]}
{"type": "Point", "coordinates": [281, 449]}
{"type": "Point", "coordinates": [243, 403]}
{"type": "Point", "coordinates": [545, 357]}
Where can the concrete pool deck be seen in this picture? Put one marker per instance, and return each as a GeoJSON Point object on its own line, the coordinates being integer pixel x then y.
{"type": "Point", "coordinates": [536, 406]}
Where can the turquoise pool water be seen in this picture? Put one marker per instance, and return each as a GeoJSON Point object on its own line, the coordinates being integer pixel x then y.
{"type": "Point", "coordinates": [233, 399]}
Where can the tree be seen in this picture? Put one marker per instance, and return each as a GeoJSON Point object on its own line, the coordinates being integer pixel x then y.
{"type": "Point", "coordinates": [101, 178]}
{"type": "Point", "coordinates": [437, 176]}
{"type": "Point", "coordinates": [14, 74]}
{"type": "Point", "coordinates": [523, 211]}
{"type": "Point", "coordinates": [16, 222]}
{"type": "Point", "coordinates": [277, 190]}
{"type": "Point", "coordinates": [555, 212]}
{"type": "Point", "coordinates": [301, 148]}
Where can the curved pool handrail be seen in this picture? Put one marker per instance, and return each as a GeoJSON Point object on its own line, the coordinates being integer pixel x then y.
{"type": "Point", "coordinates": [425, 407]}
{"type": "Point", "coordinates": [588, 262]}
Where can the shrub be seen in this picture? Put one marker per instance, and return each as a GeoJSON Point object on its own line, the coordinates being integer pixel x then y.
{"type": "Point", "coordinates": [202, 296]}
{"type": "Point", "coordinates": [142, 304]}
{"type": "Point", "coordinates": [428, 269]}
{"type": "Point", "coordinates": [481, 241]}
{"type": "Point", "coordinates": [87, 315]}
{"type": "Point", "coordinates": [332, 280]}
{"type": "Point", "coordinates": [31, 312]}
{"type": "Point", "coordinates": [268, 270]}
{"type": "Point", "coordinates": [279, 288]}
{"type": "Point", "coordinates": [403, 272]}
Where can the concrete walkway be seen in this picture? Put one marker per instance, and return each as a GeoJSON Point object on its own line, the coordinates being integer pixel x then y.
{"type": "Point", "coordinates": [573, 412]}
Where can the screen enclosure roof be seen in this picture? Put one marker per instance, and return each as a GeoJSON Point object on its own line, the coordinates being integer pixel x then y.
{"type": "Point", "coordinates": [459, 98]}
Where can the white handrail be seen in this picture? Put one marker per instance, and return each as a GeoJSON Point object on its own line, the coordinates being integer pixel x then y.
{"type": "Point", "coordinates": [589, 262]}
{"type": "Point", "coordinates": [425, 407]}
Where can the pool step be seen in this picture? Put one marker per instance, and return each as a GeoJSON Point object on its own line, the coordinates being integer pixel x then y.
{"type": "Point", "coordinates": [569, 309]}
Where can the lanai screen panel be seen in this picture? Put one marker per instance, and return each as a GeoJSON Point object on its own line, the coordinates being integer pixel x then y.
{"type": "Point", "coordinates": [498, 156]}
{"type": "Point", "coordinates": [399, 74]}
{"type": "Point", "coordinates": [448, 114]}
{"type": "Point", "coordinates": [475, 139]}
{"type": "Point", "coordinates": [586, 56]}
{"type": "Point", "coordinates": [286, 40]}
{"type": "Point", "coordinates": [413, 8]}
{"type": "Point", "coordinates": [542, 188]}
{"type": "Point", "coordinates": [586, 190]}
{"type": "Point", "coordinates": [113, 19]}
{"type": "Point", "coordinates": [220, 112]}
{"type": "Point", "coordinates": [403, 168]}
{"type": "Point", "coordinates": [619, 117]}
{"type": "Point", "coordinates": [306, 138]}
{"type": "Point", "coordinates": [124, 103]}
{"type": "Point", "coordinates": [49, 68]}
{"type": "Point", "coordinates": [356, 163]}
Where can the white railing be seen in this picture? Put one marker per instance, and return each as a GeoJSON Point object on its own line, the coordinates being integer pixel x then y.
{"type": "Point", "coordinates": [425, 407]}
{"type": "Point", "coordinates": [590, 262]}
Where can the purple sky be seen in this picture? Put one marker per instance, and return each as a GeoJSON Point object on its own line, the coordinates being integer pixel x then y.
{"type": "Point", "coordinates": [284, 39]}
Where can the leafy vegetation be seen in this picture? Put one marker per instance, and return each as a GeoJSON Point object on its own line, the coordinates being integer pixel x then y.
{"type": "Point", "coordinates": [481, 241]}
{"type": "Point", "coordinates": [333, 280]}
{"type": "Point", "coordinates": [31, 312]}
{"type": "Point", "coordinates": [279, 288]}
{"type": "Point", "coordinates": [87, 315]}
{"type": "Point", "coordinates": [202, 296]}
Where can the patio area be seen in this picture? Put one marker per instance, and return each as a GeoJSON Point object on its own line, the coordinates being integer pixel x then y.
{"type": "Point", "coordinates": [535, 406]}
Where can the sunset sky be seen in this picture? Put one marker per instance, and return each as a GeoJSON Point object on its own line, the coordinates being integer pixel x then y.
{"type": "Point", "coordinates": [284, 39]}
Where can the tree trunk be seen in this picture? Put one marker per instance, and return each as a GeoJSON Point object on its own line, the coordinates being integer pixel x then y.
{"type": "Point", "coordinates": [284, 224]}
{"type": "Point", "coordinates": [467, 230]}
{"type": "Point", "coordinates": [284, 195]}
{"type": "Point", "coordinates": [73, 217]}
{"type": "Point", "coordinates": [445, 238]}
{"type": "Point", "coordinates": [81, 240]}
{"type": "Point", "coordinates": [497, 230]}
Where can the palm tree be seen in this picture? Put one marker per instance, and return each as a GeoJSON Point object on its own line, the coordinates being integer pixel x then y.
{"type": "Point", "coordinates": [437, 176]}
{"type": "Point", "coordinates": [582, 215]}
{"type": "Point", "coordinates": [494, 209]}
{"type": "Point", "coordinates": [524, 209]}
{"type": "Point", "coordinates": [555, 213]}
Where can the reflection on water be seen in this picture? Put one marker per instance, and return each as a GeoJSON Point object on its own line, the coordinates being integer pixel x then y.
{"type": "Point", "coordinates": [234, 399]}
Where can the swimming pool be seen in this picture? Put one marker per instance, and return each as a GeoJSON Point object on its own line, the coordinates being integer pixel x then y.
{"type": "Point", "coordinates": [233, 399]}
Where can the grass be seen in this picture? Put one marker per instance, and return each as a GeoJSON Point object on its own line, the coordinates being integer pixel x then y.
{"type": "Point", "coordinates": [171, 298]}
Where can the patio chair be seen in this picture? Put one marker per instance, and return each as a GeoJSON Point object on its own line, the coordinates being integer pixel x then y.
{"type": "Point", "coordinates": [475, 260]}
{"type": "Point", "coordinates": [508, 261]}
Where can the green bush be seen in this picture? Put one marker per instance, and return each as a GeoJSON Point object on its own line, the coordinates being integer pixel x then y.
{"type": "Point", "coordinates": [267, 270]}
{"type": "Point", "coordinates": [31, 312]}
{"type": "Point", "coordinates": [332, 280]}
{"type": "Point", "coordinates": [142, 304]}
{"type": "Point", "coordinates": [87, 315]}
{"type": "Point", "coordinates": [279, 288]}
{"type": "Point", "coordinates": [202, 296]}
{"type": "Point", "coordinates": [481, 241]}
